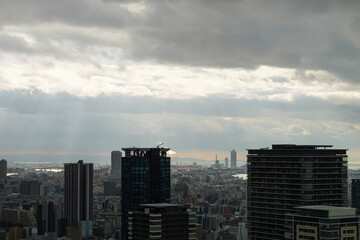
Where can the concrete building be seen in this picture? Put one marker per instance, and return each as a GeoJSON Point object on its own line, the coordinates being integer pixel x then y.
{"type": "Point", "coordinates": [162, 221]}
{"type": "Point", "coordinates": [226, 163]}
{"type": "Point", "coordinates": [3, 169]}
{"type": "Point", "coordinates": [116, 164]}
{"type": "Point", "coordinates": [322, 222]}
{"type": "Point", "coordinates": [289, 176]}
{"type": "Point", "coordinates": [145, 179]}
{"type": "Point", "coordinates": [78, 195]}
{"type": "Point", "coordinates": [233, 159]}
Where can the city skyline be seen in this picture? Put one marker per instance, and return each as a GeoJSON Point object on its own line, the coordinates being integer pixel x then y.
{"type": "Point", "coordinates": [87, 77]}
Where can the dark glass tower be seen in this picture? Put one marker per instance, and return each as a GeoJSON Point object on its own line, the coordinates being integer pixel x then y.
{"type": "Point", "coordinates": [145, 178]}
{"type": "Point", "coordinates": [78, 192]}
{"type": "Point", "coordinates": [355, 195]}
{"type": "Point", "coordinates": [289, 176]}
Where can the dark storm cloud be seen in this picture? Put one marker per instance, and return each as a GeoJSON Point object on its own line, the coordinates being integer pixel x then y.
{"type": "Point", "coordinates": [296, 34]}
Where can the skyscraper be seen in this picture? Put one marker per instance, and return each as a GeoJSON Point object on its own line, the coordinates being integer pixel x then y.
{"type": "Point", "coordinates": [355, 194]}
{"type": "Point", "coordinates": [79, 195]}
{"type": "Point", "coordinates": [289, 176]}
{"type": "Point", "coordinates": [3, 168]}
{"type": "Point", "coordinates": [226, 162]}
{"type": "Point", "coordinates": [145, 179]}
{"type": "Point", "coordinates": [233, 159]}
{"type": "Point", "coordinates": [116, 164]}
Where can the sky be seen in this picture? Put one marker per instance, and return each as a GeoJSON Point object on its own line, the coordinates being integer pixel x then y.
{"type": "Point", "coordinates": [79, 79]}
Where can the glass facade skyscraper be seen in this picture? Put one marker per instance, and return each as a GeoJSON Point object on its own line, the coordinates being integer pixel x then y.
{"type": "Point", "coordinates": [145, 178]}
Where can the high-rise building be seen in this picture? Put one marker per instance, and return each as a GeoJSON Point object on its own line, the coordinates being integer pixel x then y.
{"type": "Point", "coordinates": [116, 164]}
{"type": "Point", "coordinates": [78, 196]}
{"type": "Point", "coordinates": [322, 223]}
{"type": "Point", "coordinates": [162, 221]}
{"type": "Point", "coordinates": [289, 176]}
{"type": "Point", "coordinates": [3, 168]}
{"type": "Point", "coordinates": [355, 194]}
{"type": "Point", "coordinates": [226, 162]}
{"type": "Point", "coordinates": [233, 159]}
{"type": "Point", "coordinates": [145, 179]}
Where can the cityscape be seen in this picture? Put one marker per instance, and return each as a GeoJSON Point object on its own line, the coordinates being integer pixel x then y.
{"type": "Point", "coordinates": [285, 191]}
{"type": "Point", "coordinates": [180, 119]}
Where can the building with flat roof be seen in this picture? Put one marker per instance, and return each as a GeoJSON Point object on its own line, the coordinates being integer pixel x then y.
{"type": "Point", "coordinates": [289, 176]}
{"type": "Point", "coordinates": [162, 221]}
{"type": "Point", "coordinates": [116, 164]}
{"type": "Point", "coordinates": [3, 168]}
{"type": "Point", "coordinates": [78, 196]}
{"type": "Point", "coordinates": [322, 222]}
{"type": "Point", "coordinates": [233, 159]}
{"type": "Point", "coordinates": [145, 178]}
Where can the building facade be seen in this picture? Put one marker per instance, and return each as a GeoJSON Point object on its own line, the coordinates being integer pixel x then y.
{"type": "Point", "coordinates": [355, 195]}
{"type": "Point", "coordinates": [116, 164]}
{"type": "Point", "coordinates": [78, 195]}
{"type": "Point", "coordinates": [31, 187]}
{"type": "Point", "coordinates": [162, 221]}
{"type": "Point", "coordinates": [322, 223]}
{"type": "Point", "coordinates": [145, 179]}
{"type": "Point", "coordinates": [3, 168]}
{"type": "Point", "coordinates": [289, 176]}
{"type": "Point", "coordinates": [233, 159]}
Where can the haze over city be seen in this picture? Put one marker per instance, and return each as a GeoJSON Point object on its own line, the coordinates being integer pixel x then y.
{"type": "Point", "coordinates": [79, 79]}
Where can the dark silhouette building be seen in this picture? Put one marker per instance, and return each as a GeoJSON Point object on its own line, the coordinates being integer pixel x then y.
{"type": "Point", "coordinates": [289, 176]}
{"type": "Point", "coordinates": [145, 178]}
{"type": "Point", "coordinates": [116, 164]}
{"type": "Point", "coordinates": [3, 168]}
{"type": "Point", "coordinates": [47, 216]}
{"type": "Point", "coordinates": [162, 221]}
{"type": "Point", "coordinates": [78, 196]}
{"type": "Point", "coordinates": [355, 195]}
{"type": "Point", "coordinates": [30, 188]}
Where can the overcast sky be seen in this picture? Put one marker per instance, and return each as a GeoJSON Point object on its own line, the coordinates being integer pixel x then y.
{"type": "Point", "coordinates": [86, 77]}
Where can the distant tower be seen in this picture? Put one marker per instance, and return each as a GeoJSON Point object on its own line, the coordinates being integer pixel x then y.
{"type": "Point", "coordinates": [116, 164]}
{"type": "Point", "coordinates": [78, 196]}
{"type": "Point", "coordinates": [233, 159]}
{"type": "Point", "coordinates": [3, 168]}
{"type": "Point", "coordinates": [145, 179]}
{"type": "Point", "coordinates": [216, 160]}
{"type": "Point", "coordinates": [226, 162]}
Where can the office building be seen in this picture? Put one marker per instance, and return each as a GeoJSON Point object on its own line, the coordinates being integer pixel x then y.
{"type": "Point", "coordinates": [116, 164]}
{"type": "Point", "coordinates": [226, 163]}
{"type": "Point", "coordinates": [162, 221]}
{"type": "Point", "coordinates": [355, 195]}
{"type": "Point", "coordinates": [47, 216]}
{"type": "Point", "coordinates": [322, 223]}
{"type": "Point", "coordinates": [145, 179]}
{"type": "Point", "coordinates": [30, 188]}
{"type": "Point", "coordinates": [233, 159]}
{"type": "Point", "coordinates": [3, 169]}
{"type": "Point", "coordinates": [78, 195]}
{"type": "Point", "coordinates": [289, 176]}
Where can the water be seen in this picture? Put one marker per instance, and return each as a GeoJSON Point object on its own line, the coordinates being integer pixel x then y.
{"type": "Point", "coordinates": [241, 175]}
